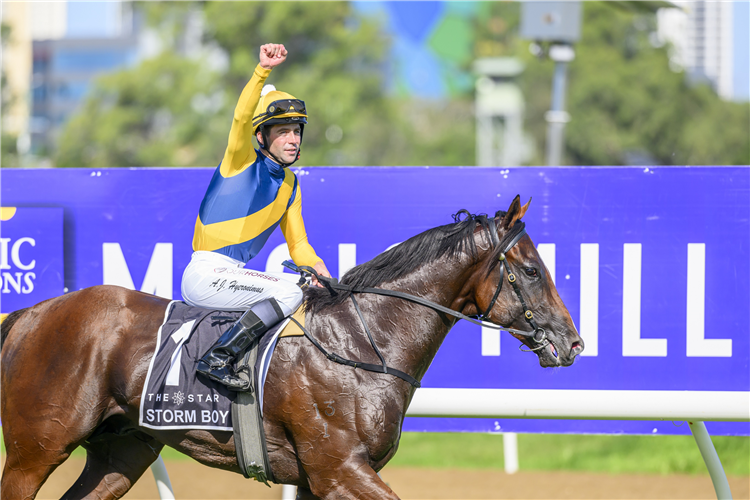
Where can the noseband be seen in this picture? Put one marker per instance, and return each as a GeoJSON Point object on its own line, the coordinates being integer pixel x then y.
{"type": "Point", "coordinates": [518, 231]}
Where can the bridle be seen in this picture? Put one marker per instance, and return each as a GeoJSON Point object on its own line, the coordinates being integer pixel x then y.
{"type": "Point", "coordinates": [518, 231]}
{"type": "Point", "coordinates": [538, 335]}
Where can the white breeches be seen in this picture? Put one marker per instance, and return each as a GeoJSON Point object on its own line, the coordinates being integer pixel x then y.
{"type": "Point", "coordinates": [216, 281]}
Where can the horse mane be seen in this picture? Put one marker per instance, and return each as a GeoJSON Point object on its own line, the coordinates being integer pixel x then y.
{"type": "Point", "coordinates": [8, 323]}
{"type": "Point", "coordinates": [449, 240]}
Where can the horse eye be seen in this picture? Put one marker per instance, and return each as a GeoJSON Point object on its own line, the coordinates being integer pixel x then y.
{"type": "Point", "coordinates": [530, 271]}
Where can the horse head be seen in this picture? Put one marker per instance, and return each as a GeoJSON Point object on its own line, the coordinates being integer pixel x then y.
{"type": "Point", "coordinates": [515, 290]}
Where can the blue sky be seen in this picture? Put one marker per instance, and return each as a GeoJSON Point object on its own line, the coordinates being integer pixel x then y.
{"type": "Point", "coordinates": [92, 19]}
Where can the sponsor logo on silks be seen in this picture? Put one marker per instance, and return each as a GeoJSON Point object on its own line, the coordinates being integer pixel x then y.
{"type": "Point", "coordinates": [244, 272]}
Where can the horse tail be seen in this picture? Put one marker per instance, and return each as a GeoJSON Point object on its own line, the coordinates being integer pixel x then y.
{"type": "Point", "coordinates": [8, 323]}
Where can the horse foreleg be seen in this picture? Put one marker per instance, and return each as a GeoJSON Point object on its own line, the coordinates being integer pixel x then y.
{"type": "Point", "coordinates": [113, 465]}
{"type": "Point", "coordinates": [354, 480]}
{"type": "Point", "coordinates": [25, 471]}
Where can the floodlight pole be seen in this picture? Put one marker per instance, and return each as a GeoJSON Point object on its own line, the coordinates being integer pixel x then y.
{"type": "Point", "coordinates": [557, 117]}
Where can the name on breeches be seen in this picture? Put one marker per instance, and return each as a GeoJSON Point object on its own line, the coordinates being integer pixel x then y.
{"type": "Point", "coordinates": [235, 287]}
{"type": "Point", "coordinates": [186, 416]}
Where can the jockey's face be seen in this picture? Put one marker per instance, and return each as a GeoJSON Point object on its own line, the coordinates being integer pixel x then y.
{"type": "Point", "coordinates": [284, 141]}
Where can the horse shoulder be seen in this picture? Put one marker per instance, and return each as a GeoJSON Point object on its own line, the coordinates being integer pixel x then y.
{"type": "Point", "coordinates": [328, 409]}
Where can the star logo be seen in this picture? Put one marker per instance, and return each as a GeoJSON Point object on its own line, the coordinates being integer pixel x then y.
{"type": "Point", "coordinates": [178, 397]}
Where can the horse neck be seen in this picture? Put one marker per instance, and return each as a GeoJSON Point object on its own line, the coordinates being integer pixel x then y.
{"type": "Point", "coordinates": [410, 333]}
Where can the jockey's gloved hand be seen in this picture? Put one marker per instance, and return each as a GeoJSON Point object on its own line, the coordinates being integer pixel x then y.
{"type": "Point", "coordinates": [306, 272]}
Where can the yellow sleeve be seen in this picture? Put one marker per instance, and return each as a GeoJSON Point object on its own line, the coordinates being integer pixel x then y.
{"type": "Point", "coordinates": [293, 228]}
{"type": "Point", "coordinates": [240, 144]}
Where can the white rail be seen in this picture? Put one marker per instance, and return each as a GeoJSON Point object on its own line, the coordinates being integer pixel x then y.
{"type": "Point", "coordinates": [582, 404]}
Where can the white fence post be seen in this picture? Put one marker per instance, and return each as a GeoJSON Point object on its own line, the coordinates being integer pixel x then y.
{"type": "Point", "coordinates": [718, 476]}
{"type": "Point", "coordinates": [163, 485]}
{"type": "Point", "coordinates": [288, 492]}
{"type": "Point", "coordinates": [510, 452]}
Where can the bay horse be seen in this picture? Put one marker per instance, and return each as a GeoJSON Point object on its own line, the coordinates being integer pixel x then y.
{"type": "Point", "coordinates": [73, 367]}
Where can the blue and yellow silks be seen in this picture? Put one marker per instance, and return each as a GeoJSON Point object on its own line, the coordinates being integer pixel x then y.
{"type": "Point", "coordinates": [250, 194]}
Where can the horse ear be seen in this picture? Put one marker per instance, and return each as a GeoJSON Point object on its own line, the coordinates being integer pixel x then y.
{"type": "Point", "coordinates": [515, 212]}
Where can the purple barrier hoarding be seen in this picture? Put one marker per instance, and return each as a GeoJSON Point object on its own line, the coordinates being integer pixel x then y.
{"type": "Point", "coordinates": [653, 263]}
{"type": "Point", "coordinates": [31, 255]}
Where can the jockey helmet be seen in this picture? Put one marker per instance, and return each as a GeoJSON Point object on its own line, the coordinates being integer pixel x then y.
{"type": "Point", "coordinates": [277, 107]}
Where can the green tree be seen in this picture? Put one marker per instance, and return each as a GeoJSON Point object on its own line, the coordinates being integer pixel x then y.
{"type": "Point", "coordinates": [165, 112]}
{"type": "Point", "coordinates": [624, 99]}
{"type": "Point", "coordinates": [334, 65]}
{"type": "Point", "coordinates": [622, 95]}
{"type": "Point", "coordinates": [152, 114]}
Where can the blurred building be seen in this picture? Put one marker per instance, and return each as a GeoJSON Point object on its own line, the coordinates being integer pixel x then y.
{"type": "Point", "coordinates": [99, 38]}
{"type": "Point", "coordinates": [63, 71]}
{"type": "Point", "coordinates": [55, 51]}
{"type": "Point", "coordinates": [710, 42]}
{"type": "Point", "coordinates": [58, 49]}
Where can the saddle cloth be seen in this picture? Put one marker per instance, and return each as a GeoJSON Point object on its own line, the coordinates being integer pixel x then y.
{"type": "Point", "coordinates": [174, 397]}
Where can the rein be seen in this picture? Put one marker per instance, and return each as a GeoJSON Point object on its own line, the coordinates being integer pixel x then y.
{"type": "Point", "coordinates": [538, 334]}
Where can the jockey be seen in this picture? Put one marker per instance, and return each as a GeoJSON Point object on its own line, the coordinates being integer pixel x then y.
{"type": "Point", "coordinates": [248, 196]}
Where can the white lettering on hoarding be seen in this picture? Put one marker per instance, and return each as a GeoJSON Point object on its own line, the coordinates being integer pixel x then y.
{"type": "Point", "coordinates": [490, 342]}
{"type": "Point", "coordinates": [547, 253]}
{"type": "Point", "coordinates": [347, 257]}
{"type": "Point", "coordinates": [278, 255]}
{"type": "Point", "coordinates": [589, 319]}
{"type": "Point", "coordinates": [632, 343]}
{"type": "Point", "coordinates": [697, 344]}
{"type": "Point", "coordinates": [15, 254]}
{"type": "Point", "coordinates": [4, 253]}
{"type": "Point", "coordinates": [158, 278]}
{"type": "Point", "coordinates": [19, 282]}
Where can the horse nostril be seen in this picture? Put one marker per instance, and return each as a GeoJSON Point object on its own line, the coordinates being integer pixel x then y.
{"type": "Point", "coordinates": [576, 348]}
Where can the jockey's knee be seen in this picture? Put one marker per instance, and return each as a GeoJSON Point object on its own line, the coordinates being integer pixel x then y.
{"type": "Point", "coordinates": [289, 299]}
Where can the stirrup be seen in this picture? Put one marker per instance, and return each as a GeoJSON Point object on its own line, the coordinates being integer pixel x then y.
{"type": "Point", "coordinates": [224, 376]}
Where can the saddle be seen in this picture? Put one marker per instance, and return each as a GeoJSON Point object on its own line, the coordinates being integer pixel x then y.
{"type": "Point", "coordinates": [174, 397]}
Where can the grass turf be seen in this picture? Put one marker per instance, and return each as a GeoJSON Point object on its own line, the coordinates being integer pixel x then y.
{"type": "Point", "coordinates": [558, 452]}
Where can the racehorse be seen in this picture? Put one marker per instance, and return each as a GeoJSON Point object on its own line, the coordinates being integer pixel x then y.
{"type": "Point", "coordinates": [73, 367]}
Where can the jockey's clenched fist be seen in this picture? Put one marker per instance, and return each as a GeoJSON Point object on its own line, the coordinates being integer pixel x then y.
{"type": "Point", "coordinates": [272, 54]}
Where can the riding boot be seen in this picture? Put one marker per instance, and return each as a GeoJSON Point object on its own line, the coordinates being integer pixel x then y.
{"type": "Point", "coordinates": [217, 363]}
